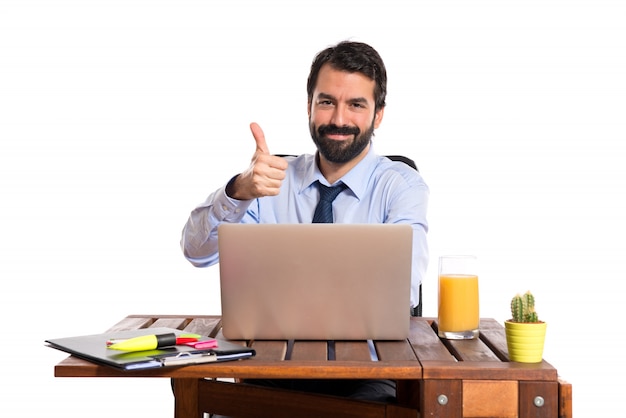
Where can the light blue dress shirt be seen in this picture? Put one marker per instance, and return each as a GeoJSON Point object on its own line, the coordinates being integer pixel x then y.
{"type": "Point", "coordinates": [379, 191]}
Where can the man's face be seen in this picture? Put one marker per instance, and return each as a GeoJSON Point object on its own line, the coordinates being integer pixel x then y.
{"type": "Point", "coordinates": [342, 118]}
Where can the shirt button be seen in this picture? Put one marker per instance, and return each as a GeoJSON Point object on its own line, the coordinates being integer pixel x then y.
{"type": "Point", "coordinates": [237, 210]}
{"type": "Point", "coordinates": [224, 208]}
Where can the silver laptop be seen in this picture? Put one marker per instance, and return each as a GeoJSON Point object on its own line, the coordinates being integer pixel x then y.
{"type": "Point", "coordinates": [315, 281]}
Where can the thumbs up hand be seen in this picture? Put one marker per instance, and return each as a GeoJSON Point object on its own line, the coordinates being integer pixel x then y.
{"type": "Point", "coordinates": [264, 175]}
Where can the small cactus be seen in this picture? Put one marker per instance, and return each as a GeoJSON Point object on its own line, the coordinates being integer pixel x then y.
{"type": "Point", "coordinates": [523, 308]}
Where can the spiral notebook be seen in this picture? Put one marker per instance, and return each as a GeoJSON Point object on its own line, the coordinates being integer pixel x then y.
{"type": "Point", "coordinates": [315, 281]}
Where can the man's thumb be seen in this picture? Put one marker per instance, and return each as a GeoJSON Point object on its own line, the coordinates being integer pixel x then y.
{"type": "Point", "coordinates": [259, 138]}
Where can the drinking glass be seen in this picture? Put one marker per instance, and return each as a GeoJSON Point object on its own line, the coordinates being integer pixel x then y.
{"type": "Point", "coordinates": [458, 297]}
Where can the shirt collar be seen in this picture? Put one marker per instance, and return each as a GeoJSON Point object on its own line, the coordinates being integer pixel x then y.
{"type": "Point", "coordinates": [354, 178]}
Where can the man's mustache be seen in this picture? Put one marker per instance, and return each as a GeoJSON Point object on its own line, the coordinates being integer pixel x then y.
{"type": "Point", "coordinates": [324, 130]}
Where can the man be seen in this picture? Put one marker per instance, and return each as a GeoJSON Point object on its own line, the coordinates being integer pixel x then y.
{"type": "Point", "coordinates": [346, 89]}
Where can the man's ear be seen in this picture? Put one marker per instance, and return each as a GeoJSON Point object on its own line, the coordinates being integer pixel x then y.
{"type": "Point", "coordinates": [378, 117]}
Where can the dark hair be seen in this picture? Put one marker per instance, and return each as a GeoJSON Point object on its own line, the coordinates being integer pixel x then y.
{"type": "Point", "coordinates": [353, 57]}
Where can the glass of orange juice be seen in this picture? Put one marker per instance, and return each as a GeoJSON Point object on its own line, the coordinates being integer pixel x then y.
{"type": "Point", "coordinates": [458, 317]}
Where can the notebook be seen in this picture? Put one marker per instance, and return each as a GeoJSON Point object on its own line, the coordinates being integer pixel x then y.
{"type": "Point", "coordinates": [93, 348]}
{"type": "Point", "coordinates": [315, 281]}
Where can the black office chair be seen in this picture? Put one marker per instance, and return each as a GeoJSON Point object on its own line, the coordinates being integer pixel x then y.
{"type": "Point", "coordinates": [417, 310]}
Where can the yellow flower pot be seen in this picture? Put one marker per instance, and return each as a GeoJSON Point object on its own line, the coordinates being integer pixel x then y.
{"type": "Point", "coordinates": [525, 341]}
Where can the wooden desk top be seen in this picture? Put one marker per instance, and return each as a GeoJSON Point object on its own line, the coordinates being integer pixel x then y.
{"type": "Point", "coordinates": [422, 356]}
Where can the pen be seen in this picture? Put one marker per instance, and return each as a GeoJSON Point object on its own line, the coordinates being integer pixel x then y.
{"type": "Point", "coordinates": [151, 342]}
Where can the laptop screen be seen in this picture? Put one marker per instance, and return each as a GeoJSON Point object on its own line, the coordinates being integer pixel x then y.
{"type": "Point", "coordinates": [315, 281]}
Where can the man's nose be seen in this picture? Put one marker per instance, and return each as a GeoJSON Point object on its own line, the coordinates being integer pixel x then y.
{"type": "Point", "coordinates": [339, 116]}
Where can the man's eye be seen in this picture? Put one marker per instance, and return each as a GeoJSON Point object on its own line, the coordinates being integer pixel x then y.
{"type": "Point", "coordinates": [325, 102]}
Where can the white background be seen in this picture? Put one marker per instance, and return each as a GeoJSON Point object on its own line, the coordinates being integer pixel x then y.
{"type": "Point", "coordinates": [117, 117]}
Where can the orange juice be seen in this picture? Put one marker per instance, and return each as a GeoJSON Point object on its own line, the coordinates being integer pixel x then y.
{"type": "Point", "coordinates": [458, 304]}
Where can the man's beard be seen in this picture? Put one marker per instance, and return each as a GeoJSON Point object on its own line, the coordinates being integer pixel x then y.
{"type": "Point", "coordinates": [340, 151]}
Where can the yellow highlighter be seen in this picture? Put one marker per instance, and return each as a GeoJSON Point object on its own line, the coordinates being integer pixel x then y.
{"type": "Point", "coordinates": [145, 342]}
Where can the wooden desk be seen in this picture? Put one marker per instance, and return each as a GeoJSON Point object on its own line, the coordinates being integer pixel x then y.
{"type": "Point", "coordinates": [435, 378]}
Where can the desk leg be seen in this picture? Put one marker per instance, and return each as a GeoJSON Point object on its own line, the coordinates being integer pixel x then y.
{"type": "Point", "coordinates": [442, 398]}
{"type": "Point", "coordinates": [565, 399]}
{"type": "Point", "coordinates": [408, 393]}
{"type": "Point", "coordinates": [186, 398]}
{"type": "Point", "coordinates": [538, 399]}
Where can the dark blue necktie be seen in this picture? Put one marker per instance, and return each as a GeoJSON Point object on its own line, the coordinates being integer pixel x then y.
{"type": "Point", "coordinates": [324, 210]}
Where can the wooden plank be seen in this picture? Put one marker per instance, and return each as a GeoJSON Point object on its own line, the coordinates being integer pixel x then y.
{"type": "Point", "coordinates": [309, 350]}
{"type": "Point", "coordinates": [204, 326]}
{"type": "Point", "coordinates": [489, 370]}
{"type": "Point", "coordinates": [397, 411]}
{"type": "Point", "coordinates": [352, 351]}
{"type": "Point", "coordinates": [394, 350]}
{"type": "Point", "coordinates": [490, 398]}
{"type": "Point", "coordinates": [226, 399]}
{"type": "Point", "coordinates": [442, 398]}
{"type": "Point", "coordinates": [129, 323]}
{"type": "Point", "coordinates": [189, 323]}
{"type": "Point", "coordinates": [565, 399]}
{"type": "Point", "coordinates": [538, 399]}
{"type": "Point", "coordinates": [171, 322]}
{"type": "Point", "coordinates": [492, 334]}
{"type": "Point", "coordinates": [186, 398]}
{"type": "Point", "coordinates": [251, 368]}
{"type": "Point", "coordinates": [408, 393]}
{"type": "Point", "coordinates": [425, 342]}
{"type": "Point", "coordinates": [471, 350]}
{"type": "Point", "coordinates": [269, 350]}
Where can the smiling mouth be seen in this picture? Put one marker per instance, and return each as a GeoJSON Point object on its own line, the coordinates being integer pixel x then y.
{"type": "Point", "coordinates": [339, 137]}
{"type": "Point", "coordinates": [337, 133]}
